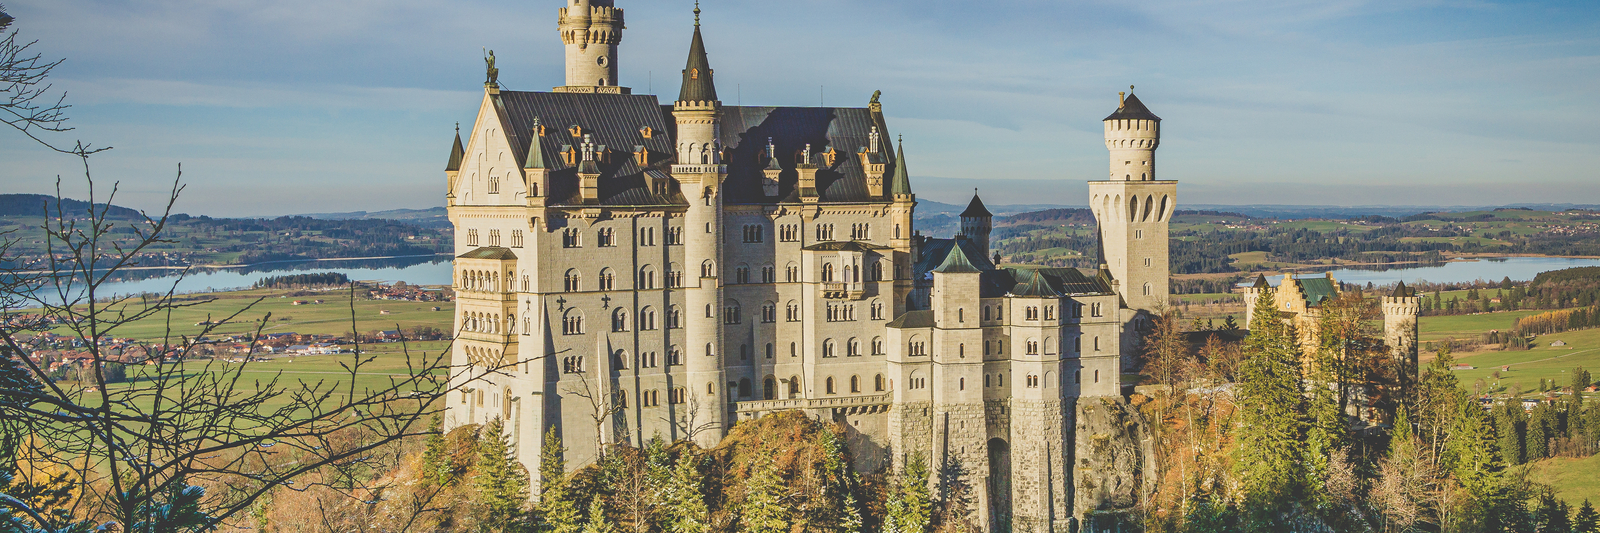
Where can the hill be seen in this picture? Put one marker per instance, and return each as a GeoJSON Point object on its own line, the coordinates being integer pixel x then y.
{"type": "Point", "coordinates": [32, 205]}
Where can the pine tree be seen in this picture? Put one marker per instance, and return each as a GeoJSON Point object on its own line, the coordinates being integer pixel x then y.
{"type": "Point", "coordinates": [1586, 521]}
{"type": "Point", "coordinates": [501, 481]}
{"type": "Point", "coordinates": [1553, 515]}
{"type": "Point", "coordinates": [764, 509]}
{"type": "Point", "coordinates": [683, 498]}
{"type": "Point", "coordinates": [837, 510]}
{"type": "Point", "coordinates": [1538, 435]}
{"type": "Point", "coordinates": [599, 517]}
{"type": "Point", "coordinates": [1269, 449]}
{"type": "Point", "coordinates": [558, 513]}
{"type": "Point", "coordinates": [1229, 324]}
{"type": "Point", "coordinates": [1327, 434]}
{"type": "Point", "coordinates": [437, 463]}
{"type": "Point", "coordinates": [1511, 422]}
{"type": "Point", "coordinates": [909, 509]}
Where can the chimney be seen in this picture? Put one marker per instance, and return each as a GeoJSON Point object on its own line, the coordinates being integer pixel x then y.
{"type": "Point", "coordinates": [1121, 99]}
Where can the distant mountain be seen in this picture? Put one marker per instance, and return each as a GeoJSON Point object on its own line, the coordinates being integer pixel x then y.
{"type": "Point", "coordinates": [32, 205]}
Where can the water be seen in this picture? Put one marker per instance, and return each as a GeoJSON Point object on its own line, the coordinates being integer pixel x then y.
{"type": "Point", "coordinates": [1491, 269]}
{"type": "Point", "coordinates": [427, 270]}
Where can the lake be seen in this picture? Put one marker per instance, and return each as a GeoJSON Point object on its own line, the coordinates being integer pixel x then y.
{"type": "Point", "coordinates": [423, 270]}
{"type": "Point", "coordinates": [1491, 269]}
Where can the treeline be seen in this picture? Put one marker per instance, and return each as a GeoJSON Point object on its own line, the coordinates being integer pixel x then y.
{"type": "Point", "coordinates": [1341, 436]}
{"type": "Point", "coordinates": [1205, 286]}
{"type": "Point", "coordinates": [290, 238]}
{"type": "Point", "coordinates": [1558, 321]}
{"type": "Point", "coordinates": [295, 281]}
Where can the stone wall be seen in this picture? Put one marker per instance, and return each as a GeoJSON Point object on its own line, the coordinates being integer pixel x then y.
{"type": "Point", "coordinates": [1112, 453]}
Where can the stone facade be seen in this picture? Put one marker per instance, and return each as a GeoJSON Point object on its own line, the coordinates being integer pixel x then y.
{"type": "Point", "coordinates": [627, 268]}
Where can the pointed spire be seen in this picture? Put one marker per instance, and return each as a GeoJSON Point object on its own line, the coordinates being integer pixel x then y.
{"type": "Point", "coordinates": [457, 153]}
{"type": "Point", "coordinates": [902, 180]}
{"type": "Point", "coordinates": [535, 151]}
{"type": "Point", "coordinates": [1402, 291]}
{"type": "Point", "coordinates": [697, 83]}
{"type": "Point", "coordinates": [1133, 109]}
{"type": "Point", "coordinates": [976, 208]}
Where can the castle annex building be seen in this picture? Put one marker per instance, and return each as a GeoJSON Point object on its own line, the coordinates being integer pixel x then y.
{"type": "Point", "coordinates": [628, 268]}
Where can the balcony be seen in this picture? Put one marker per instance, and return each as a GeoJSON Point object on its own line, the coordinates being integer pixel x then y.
{"type": "Point", "coordinates": [833, 290]}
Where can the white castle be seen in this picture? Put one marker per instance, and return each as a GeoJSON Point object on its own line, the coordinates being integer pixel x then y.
{"type": "Point", "coordinates": [627, 269]}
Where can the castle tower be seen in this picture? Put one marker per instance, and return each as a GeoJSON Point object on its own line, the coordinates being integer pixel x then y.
{"type": "Point", "coordinates": [1400, 311]}
{"type": "Point", "coordinates": [903, 211]}
{"type": "Point", "coordinates": [699, 172]}
{"type": "Point", "coordinates": [959, 422]}
{"type": "Point", "coordinates": [1133, 208]}
{"type": "Point", "coordinates": [1252, 294]}
{"type": "Point", "coordinates": [976, 222]}
{"type": "Point", "coordinates": [591, 31]}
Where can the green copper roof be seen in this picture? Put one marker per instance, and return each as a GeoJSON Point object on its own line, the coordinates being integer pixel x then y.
{"type": "Point", "coordinates": [1318, 290]}
{"type": "Point", "coordinates": [902, 180]}
{"type": "Point", "coordinates": [697, 84]}
{"type": "Point", "coordinates": [489, 252]}
{"type": "Point", "coordinates": [457, 153]}
{"type": "Point", "coordinates": [535, 152]}
{"type": "Point", "coordinates": [913, 319]}
{"type": "Point", "coordinates": [957, 263]}
{"type": "Point", "coordinates": [1034, 285]}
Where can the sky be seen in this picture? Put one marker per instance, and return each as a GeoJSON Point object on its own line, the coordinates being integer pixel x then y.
{"type": "Point", "coordinates": [277, 107]}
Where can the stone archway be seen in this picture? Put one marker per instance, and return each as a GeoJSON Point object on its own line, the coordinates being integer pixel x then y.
{"type": "Point", "coordinates": [999, 486]}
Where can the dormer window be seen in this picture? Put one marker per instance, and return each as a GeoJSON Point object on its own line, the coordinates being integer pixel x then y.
{"type": "Point", "coordinates": [575, 130]}
{"type": "Point", "coordinates": [646, 132]}
{"type": "Point", "coordinates": [694, 74]}
{"type": "Point", "coordinates": [830, 156]}
{"type": "Point", "coordinates": [641, 156]}
{"type": "Point", "coordinates": [569, 154]}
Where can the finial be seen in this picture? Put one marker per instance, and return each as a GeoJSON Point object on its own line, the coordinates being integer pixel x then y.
{"type": "Point", "coordinates": [458, 129]}
{"type": "Point", "coordinates": [696, 13]}
{"type": "Point", "coordinates": [1130, 88]}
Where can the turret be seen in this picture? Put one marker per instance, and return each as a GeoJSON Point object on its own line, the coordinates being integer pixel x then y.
{"type": "Point", "coordinates": [1400, 311]}
{"type": "Point", "coordinates": [591, 31]}
{"type": "Point", "coordinates": [452, 169]}
{"type": "Point", "coordinates": [1253, 293]}
{"type": "Point", "coordinates": [976, 222]}
{"type": "Point", "coordinates": [699, 172]}
{"type": "Point", "coordinates": [1132, 135]}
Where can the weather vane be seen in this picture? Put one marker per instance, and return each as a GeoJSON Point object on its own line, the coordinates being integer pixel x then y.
{"type": "Point", "coordinates": [696, 12]}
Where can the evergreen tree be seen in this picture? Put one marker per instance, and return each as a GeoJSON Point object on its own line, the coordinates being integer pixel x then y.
{"type": "Point", "coordinates": [837, 510]}
{"type": "Point", "coordinates": [1586, 521]}
{"type": "Point", "coordinates": [764, 509]}
{"type": "Point", "coordinates": [558, 512]}
{"type": "Point", "coordinates": [1511, 422]}
{"type": "Point", "coordinates": [1553, 515]}
{"type": "Point", "coordinates": [599, 517]}
{"type": "Point", "coordinates": [1580, 379]}
{"type": "Point", "coordinates": [1229, 324]}
{"type": "Point", "coordinates": [683, 498]}
{"type": "Point", "coordinates": [1268, 453]}
{"type": "Point", "coordinates": [909, 509]}
{"type": "Point", "coordinates": [437, 463]}
{"type": "Point", "coordinates": [1326, 435]}
{"type": "Point", "coordinates": [1538, 435]}
{"type": "Point", "coordinates": [1472, 455]}
{"type": "Point", "coordinates": [501, 481]}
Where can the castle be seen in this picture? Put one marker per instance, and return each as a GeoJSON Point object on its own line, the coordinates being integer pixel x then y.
{"type": "Point", "coordinates": [627, 269]}
{"type": "Point", "coordinates": [1300, 299]}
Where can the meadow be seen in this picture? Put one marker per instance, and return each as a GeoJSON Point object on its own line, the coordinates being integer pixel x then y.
{"type": "Point", "coordinates": [275, 311]}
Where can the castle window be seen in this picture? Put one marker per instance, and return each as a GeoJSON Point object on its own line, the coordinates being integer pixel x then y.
{"type": "Point", "coordinates": [753, 233]}
{"type": "Point", "coordinates": [827, 348]}
{"type": "Point", "coordinates": [824, 232]}
{"type": "Point", "coordinates": [607, 237]}
{"type": "Point", "coordinates": [622, 359]}
{"type": "Point", "coordinates": [769, 388]}
{"type": "Point", "coordinates": [744, 388]}
{"type": "Point", "coordinates": [859, 232]}
{"type": "Point", "coordinates": [986, 316]}
{"type": "Point", "coordinates": [1077, 345]}
{"type": "Point", "coordinates": [986, 380]}
{"type": "Point", "coordinates": [877, 383]}
{"type": "Point", "coordinates": [1138, 234]}
{"type": "Point", "coordinates": [525, 283]}
{"type": "Point", "coordinates": [709, 312]}
{"type": "Point", "coordinates": [741, 274]}
{"type": "Point", "coordinates": [1147, 288]}
{"type": "Point", "coordinates": [999, 380]}
{"type": "Point", "coordinates": [608, 279]}
{"type": "Point", "coordinates": [675, 235]}
{"type": "Point", "coordinates": [647, 236]}
{"type": "Point", "coordinates": [1033, 347]}
{"type": "Point", "coordinates": [769, 350]}
{"type": "Point", "coordinates": [472, 237]}
{"type": "Point", "coordinates": [1049, 312]}
{"type": "Point", "coordinates": [677, 395]}
{"type": "Point", "coordinates": [650, 398]}
{"type": "Point", "coordinates": [648, 360]}
{"type": "Point", "coordinates": [494, 184]}
{"type": "Point", "coordinates": [730, 313]}
{"type": "Point", "coordinates": [794, 386]}
{"type": "Point", "coordinates": [1032, 313]}
{"type": "Point", "coordinates": [876, 273]}
{"type": "Point", "coordinates": [789, 233]}
{"type": "Point", "coordinates": [744, 352]}
{"type": "Point", "coordinates": [794, 349]}
{"type": "Point", "coordinates": [961, 350]}
{"type": "Point", "coordinates": [1147, 262]}
{"type": "Point", "coordinates": [708, 269]}
{"type": "Point", "coordinates": [574, 281]}
{"type": "Point", "coordinates": [674, 276]}
{"type": "Point", "coordinates": [769, 274]}
{"type": "Point", "coordinates": [827, 272]}
{"type": "Point", "coordinates": [769, 312]}
{"type": "Point", "coordinates": [792, 312]}
{"type": "Point", "coordinates": [711, 350]}
{"type": "Point", "coordinates": [1094, 310]}
{"type": "Point", "coordinates": [622, 399]}
{"type": "Point", "coordinates": [516, 238]}
{"type": "Point", "coordinates": [674, 318]}
{"type": "Point", "coordinates": [571, 238]}
{"type": "Point", "coordinates": [877, 310]}
{"type": "Point", "coordinates": [647, 277]}
{"type": "Point", "coordinates": [1097, 376]}
{"type": "Point", "coordinates": [961, 315]}
{"type": "Point", "coordinates": [572, 323]}
{"type": "Point", "coordinates": [830, 386]}
{"type": "Point", "coordinates": [853, 348]}
{"type": "Point", "coordinates": [1097, 343]}
{"type": "Point", "coordinates": [793, 273]}
{"type": "Point", "coordinates": [674, 357]}
{"type": "Point", "coordinates": [877, 346]}
{"type": "Point", "coordinates": [1077, 310]}
{"type": "Point", "coordinates": [961, 384]}
{"type": "Point", "coordinates": [619, 320]}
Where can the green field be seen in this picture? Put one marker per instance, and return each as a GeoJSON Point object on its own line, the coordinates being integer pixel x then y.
{"type": "Point", "coordinates": [333, 316]}
{"type": "Point", "coordinates": [1542, 362]}
{"type": "Point", "coordinates": [1575, 480]}
{"type": "Point", "coordinates": [1433, 328]}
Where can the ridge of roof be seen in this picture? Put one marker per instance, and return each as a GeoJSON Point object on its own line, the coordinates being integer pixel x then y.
{"type": "Point", "coordinates": [912, 319]}
{"type": "Point", "coordinates": [1133, 109]}
{"type": "Point", "coordinates": [956, 262]}
{"type": "Point", "coordinates": [457, 153]}
{"type": "Point", "coordinates": [1035, 286]}
{"type": "Point", "coordinates": [697, 83]}
{"type": "Point", "coordinates": [1261, 282]}
{"type": "Point", "coordinates": [489, 252]}
{"type": "Point", "coordinates": [902, 180]}
{"type": "Point", "coordinates": [975, 209]}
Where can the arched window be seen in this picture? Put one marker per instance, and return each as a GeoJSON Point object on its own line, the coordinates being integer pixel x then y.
{"type": "Point", "coordinates": [708, 269]}
{"type": "Point", "coordinates": [877, 383]}
{"type": "Point", "coordinates": [769, 350]}
{"type": "Point", "coordinates": [574, 281]}
{"type": "Point", "coordinates": [619, 320]}
{"type": "Point", "coordinates": [877, 346]}
{"type": "Point", "coordinates": [621, 360]}
{"type": "Point", "coordinates": [769, 388]}
{"type": "Point", "coordinates": [647, 277]}
{"type": "Point", "coordinates": [855, 383]}
{"type": "Point", "coordinates": [853, 348]}
{"type": "Point", "coordinates": [769, 312]}
{"type": "Point", "coordinates": [731, 313]}
{"type": "Point", "coordinates": [711, 349]}
{"type": "Point", "coordinates": [827, 348]}
{"type": "Point", "coordinates": [794, 387]}
{"type": "Point", "coordinates": [744, 388]}
{"type": "Point", "coordinates": [830, 387]}
{"type": "Point", "coordinates": [572, 322]}
{"type": "Point", "coordinates": [876, 274]}
{"type": "Point", "coordinates": [827, 272]}
{"type": "Point", "coordinates": [674, 317]}
{"type": "Point", "coordinates": [647, 319]}
{"type": "Point", "coordinates": [608, 279]}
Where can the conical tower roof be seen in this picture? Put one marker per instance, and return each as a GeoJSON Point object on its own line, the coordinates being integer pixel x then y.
{"type": "Point", "coordinates": [1133, 109]}
{"type": "Point", "coordinates": [901, 185]}
{"type": "Point", "coordinates": [957, 262]}
{"type": "Point", "coordinates": [457, 153]}
{"type": "Point", "coordinates": [975, 209]}
{"type": "Point", "coordinates": [1402, 291]}
{"type": "Point", "coordinates": [697, 83]}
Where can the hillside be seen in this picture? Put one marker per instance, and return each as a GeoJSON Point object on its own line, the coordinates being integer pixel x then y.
{"type": "Point", "coordinates": [33, 205]}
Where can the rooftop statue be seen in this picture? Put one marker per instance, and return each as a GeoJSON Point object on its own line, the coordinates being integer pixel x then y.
{"type": "Point", "coordinates": [493, 72]}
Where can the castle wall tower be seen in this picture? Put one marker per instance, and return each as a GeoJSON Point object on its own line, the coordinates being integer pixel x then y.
{"type": "Point", "coordinates": [1400, 311]}
{"type": "Point", "coordinates": [1251, 295]}
{"type": "Point", "coordinates": [959, 422]}
{"type": "Point", "coordinates": [976, 222]}
{"type": "Point", "coordinates": [1134, 209]}
{"type": "Point", "coordinates": [699, 171]}
{"type": "Point", "coordinates": [591, 31]}
{"type": "Point", "coordinates": [902, 212]}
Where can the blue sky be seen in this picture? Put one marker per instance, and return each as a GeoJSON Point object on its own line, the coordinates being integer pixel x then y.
{"type": "Point", "coordinates": [295, 106]}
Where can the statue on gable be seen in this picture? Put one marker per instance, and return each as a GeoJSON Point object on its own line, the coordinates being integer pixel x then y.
{"type": "Point", "coordinates": [493, 72]}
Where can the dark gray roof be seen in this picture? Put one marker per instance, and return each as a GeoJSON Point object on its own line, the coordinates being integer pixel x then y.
{"type": "Point", "coordinates": [1402, 291]}
{"type": "Point", "coordinates": [1070, 281]}
{"type": "Point", "coordinates": [852, 246]}
{"type": "Point", "coordinates": [1133, 109]}
{"type": "Point", "coordinates": [1261, 282]}
{"type": "Point", "coordinates": [613, 119]}
{"type": "Point", "coordinates": [913, 319]}
{"type": "Point", "coordinates": [844, 129]}
{"type": "Point", "coordinates": [976, 208]}
{"type": "Point", "coordinates": [697, 83]}
{"type": "Point", "coordinates": [456, 153]}
{"type": "Point", "coordinates": [489, 252]}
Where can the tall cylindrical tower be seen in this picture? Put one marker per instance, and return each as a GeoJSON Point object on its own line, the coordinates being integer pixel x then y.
{"type": "Point", "coordinates": [976, 222]}
{"type": "Point", "coordinates": [1134, 209]}
{"type": "Point", "coordinates": [699, 171]}
{"type": "Point", "coordinates": [591, 30]}
{"type": "Point", "coordinates": [1400, 311]}
{"type": "Point", "coordinates": [1132, 135]}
